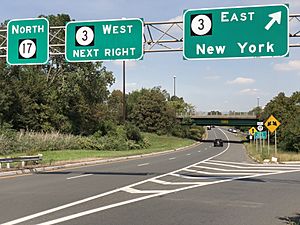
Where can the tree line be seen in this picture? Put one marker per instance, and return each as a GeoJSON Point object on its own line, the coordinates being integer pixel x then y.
{"type": "Point", "coordinates": [287, 111]}
{"type": "Point", "coordinates": [74, 98]}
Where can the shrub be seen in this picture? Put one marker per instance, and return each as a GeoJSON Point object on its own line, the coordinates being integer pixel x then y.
{"type": "Point", "coordinates": [118, 138]}
{"type": "Point", "coordinates": [196, 132]}
{"type": "Point", "coordinates": [133, 132]}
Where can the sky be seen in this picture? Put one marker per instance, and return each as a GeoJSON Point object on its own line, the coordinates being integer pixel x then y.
{"type": "Point", "coordinates": [223, 85]}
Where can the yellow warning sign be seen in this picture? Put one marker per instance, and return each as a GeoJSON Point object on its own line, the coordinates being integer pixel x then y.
{"type": "Point", "coordinates": [272, 124]}
{"type": "Point", "coordinates": [252, 130]}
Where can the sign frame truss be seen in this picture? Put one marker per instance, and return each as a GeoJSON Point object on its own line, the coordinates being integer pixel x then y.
{"type": "Point", "coordinates": [164, 36]}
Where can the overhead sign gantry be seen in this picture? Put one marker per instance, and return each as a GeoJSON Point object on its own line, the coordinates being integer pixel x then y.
{"type": "Point", "coordinates": [236, 32]}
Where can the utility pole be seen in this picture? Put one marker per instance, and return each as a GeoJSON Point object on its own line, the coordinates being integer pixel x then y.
{"type": "Point", "coordinates": [124, 100]}
{"type": "Point", "coordinates": [174, 85]}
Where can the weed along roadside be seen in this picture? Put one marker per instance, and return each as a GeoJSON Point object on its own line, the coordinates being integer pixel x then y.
{"type": "Point", "coordinates": [263, 156]}
{"type": "Point", "coordinates": [156, 144]}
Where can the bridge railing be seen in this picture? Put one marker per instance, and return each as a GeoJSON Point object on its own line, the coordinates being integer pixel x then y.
{"type": "Point", "coordinates": [218, 115]}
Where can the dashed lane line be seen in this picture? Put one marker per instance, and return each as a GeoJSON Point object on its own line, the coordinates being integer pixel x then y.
{"type": "Point", "coordinates": [144, 164]}
{"type": "Point", "coordinates": [80, 176]}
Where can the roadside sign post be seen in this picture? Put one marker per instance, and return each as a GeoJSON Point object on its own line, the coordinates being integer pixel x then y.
{"type": "Point", "coordinates": [275, 143]}
{"type": "Point", "coordinates": [88, 41]}
{"type": "Point", "coordinates": [27, 41]}
{"type": "Point", "coordinates": [272, 124]}
{"type": "Point", "coordinates": [256, 144]}
{"type": "Point", "coordinates": [268, 142]}
{"type": "Point", "coordinates": [236, 32]}
{"type": "Point", "coordinates": [260, 129]}
{"type": "Point", "coordinates": [252, 131]}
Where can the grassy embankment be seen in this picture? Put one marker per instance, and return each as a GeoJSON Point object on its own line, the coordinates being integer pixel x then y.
{"type": "Point", "coordinates": [157, 144]}
{"type": "Point", "coordinates": [282, 156]}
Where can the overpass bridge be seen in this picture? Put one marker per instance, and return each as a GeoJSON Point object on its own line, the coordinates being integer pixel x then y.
{"type": "Point", "coordinates": [220, 120]}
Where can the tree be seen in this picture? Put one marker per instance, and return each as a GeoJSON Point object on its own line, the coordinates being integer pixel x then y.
{"type": "Point", "coordinates": [257, 111]}
{"type": "Point", "coordinates": [287, 111]}
{"type": "Point", "coordinates": [62, 96]}
{"type": "Point", "coordinates": [115, 105]}
{"type": "Point", "coordinates": [180, 106]}
{"type": "Point", "coordinates": [148, 110]}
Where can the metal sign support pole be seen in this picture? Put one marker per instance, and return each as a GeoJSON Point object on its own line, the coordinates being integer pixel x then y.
{"type": "Point", "coordinates": [124, 97]}
{"type": "Point", "coordinates": [268, 142]}
{"type": "Point", "coordinates": [256, 144]}
{"type": "Point", "coordinates": [275, 143]}
{"type": "Point", "coordinates": [260, 142]}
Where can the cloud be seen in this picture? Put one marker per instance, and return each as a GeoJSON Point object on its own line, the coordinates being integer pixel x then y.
{"type": "Point", "coordinates": [241, 80]}
{"type": "Point", "coordinates": [249, 91]}
{"type": "Point", "coordinates": [293, 65]}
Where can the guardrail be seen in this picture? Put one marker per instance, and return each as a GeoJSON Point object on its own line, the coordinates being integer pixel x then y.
{"type": "Point", "coordinates": [22, 159]}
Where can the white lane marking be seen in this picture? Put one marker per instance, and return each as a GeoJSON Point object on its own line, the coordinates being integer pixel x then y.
{"type": "Point", "coordinates": [144, 164]}
{"type": "Point", "coordinates": [209, 173]}
{"type": "Point", "coordinates": [174, 183]}
{"type": "Point", "coordinates": [252, 167]}
{"type": "Point", "coordinates": [255, 164]}
{"type": "Point", "coordinates": [215, 134]}
{"type": "Point", "coordinates": [29, 217]}
{"type": "Point", "coordinates": [74, 216]}
{"type": "Point", "coordinates": [226, 170]}
{"type": "Point", "coordinates": [172, 158]}
{"type": "Point", "coordinates": [205, 148]}
{"type": "Point", "coordinates": [26, 218]}
{"type": "Point", "coordinates": [88, 212]}
{"type": "Point", "coordinates": [188, 154]}
{"type": "Point", "coordinates": [200, 178]}
{"type": "Point", "coordinates": [84, 175]}
{"type": "Point", "coordinates": [136, 191]}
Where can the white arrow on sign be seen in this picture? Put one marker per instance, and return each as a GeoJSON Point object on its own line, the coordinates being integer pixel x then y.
{"type": "Point", "coordinates": [276, 17]}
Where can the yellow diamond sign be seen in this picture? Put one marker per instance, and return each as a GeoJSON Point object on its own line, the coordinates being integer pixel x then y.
{"type": "Point", "coordinates": [272, 124]}
{"type": "Point", "coordinates": [252, 130]}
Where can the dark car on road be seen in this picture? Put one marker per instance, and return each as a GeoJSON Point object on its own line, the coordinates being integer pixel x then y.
{"type": "Point", "coordinates": [218, 143]}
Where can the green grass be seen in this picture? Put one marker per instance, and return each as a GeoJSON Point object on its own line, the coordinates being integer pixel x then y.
{"type": "Point", "coordinates": [157, 144]}
{"type": "Point", "coordinates": [283, 156]}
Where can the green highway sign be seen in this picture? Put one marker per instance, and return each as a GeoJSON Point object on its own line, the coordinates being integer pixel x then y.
{"type": "Point", "coordinates": [27, 41]}
{"type": "Point", "coordinates": [104, 40]}
{"type": "Point", "coordinates": [260, 135]}
{"type": "Point", "coordinates": [238, 32]}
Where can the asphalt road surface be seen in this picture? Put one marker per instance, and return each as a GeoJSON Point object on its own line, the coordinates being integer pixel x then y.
{"type": "Point", "coordinates": [201, 185]}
